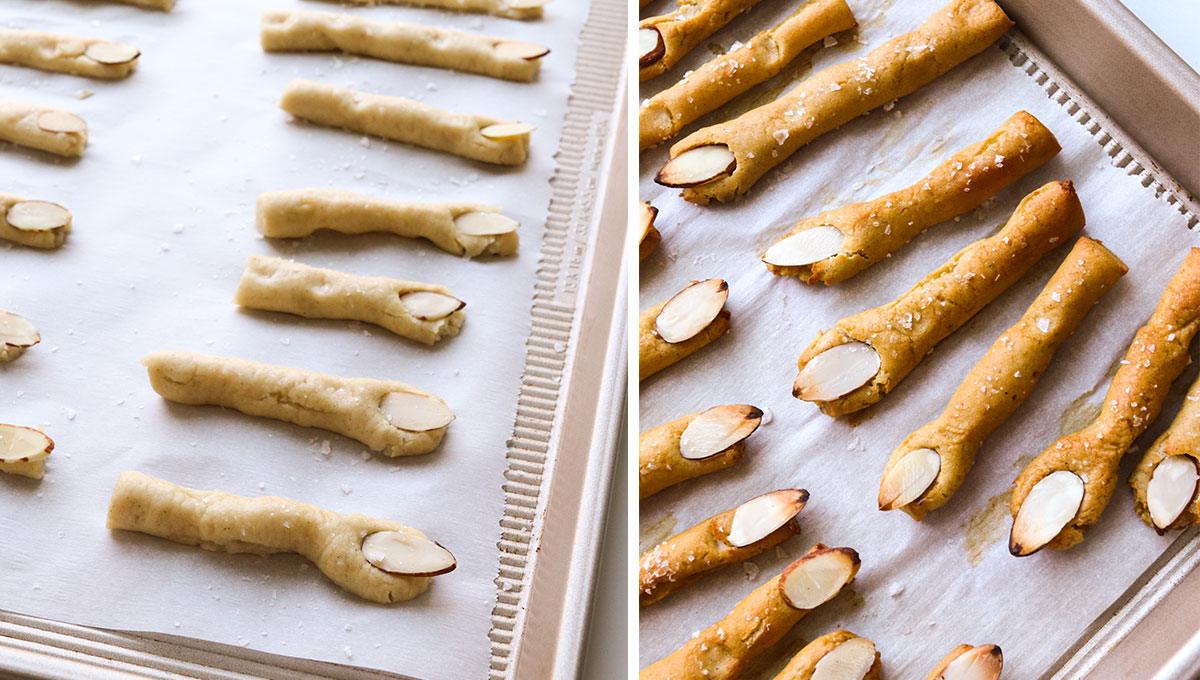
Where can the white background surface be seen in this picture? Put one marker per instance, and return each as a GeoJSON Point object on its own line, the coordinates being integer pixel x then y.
{"type": "Point", "coordinates": [163, 209]}
{"type": "Point", "coordinates": [1175, 22]}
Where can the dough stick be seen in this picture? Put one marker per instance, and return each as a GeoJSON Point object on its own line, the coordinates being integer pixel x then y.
{"type": "Point", "coordinates": [670, 331]}
{"type": "Point", "coordinates": [419, 311]}
{"type": "Point", "coordinates": [376, 559]}
{"type": "Point", "coordinates": [723, 161]}
{"type": "Point", "coordinates": [458, 228]}
{"type": "Point", "coordinates": [925, 471]}
{"type": "Point", "coordinates": [37, 224]}
{"type": "Point", "coordinates": [88, 57]}
{"type": "Point", "coordinates": [840, 655]}
{"type": "Point", "coordinates": [1164, 484]}
{"type": "Point", "coordinates": [694, 445]}
{"type": "Point", "coordinates": [390, 417]}
{"type": "Point", "coordinates": [1063, 491]}
{"type": "Point", "coordinates": [164, 5]}
{"type": "Point", "coordinates": [23, 450]}
{"type": "Point", "coordinates": [861, 359]}
{"type": "Point", "coordinates": [726, 648]}
{"type": "Point", "coordinates": [299, 30]}
{"type": "Point", "coordinates": [721, 540]}
{"type": "Point", "coordinates": [717, 82]}
{"type": "Point", "coordinates": [509, 9]}
{"type": "Point", "coordinates": [837, 244]}
{"type": "Point", "coordinates": [477, 137]}
{"type": "Point", "coordinates": [663, 40]}
{"type": "Point", "coordinates": [965, 662]}
{"type": "Point", "coordinates": [43, 128]}
{"type": "Point", "coordinates": [650, 237]}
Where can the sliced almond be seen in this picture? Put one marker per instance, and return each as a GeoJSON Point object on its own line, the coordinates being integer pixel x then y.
{"type": "Point", "coordinates": [407, 554]}
{"type": "Point", "coordinates": [111, 53]}
{"type": "Point", "coordinates": [651, 47]}
{"type": "Point", "coordinates": [1050, 505]}
{"type": "Point", "coordinates": [485, 224]}
{"type": "Point", "coordinates": [647, 213]}
{"type": "Point", "coordinates": [427, 305]}
{"type": "Point", "coordinates": [837, 371]}
{"type": "Point", "coordinates": [506, 130]}
{"type": "Point", "coordinates": [61, 121]}
{"type": "Point", "coordinates": [527, 4]}
{"type": "Point", "coordinates": [909, 478]}
{"type": "Point", "coordinates": [717, 429]}
{"type": "Point", "coordinates": [1171, 489]}
{"type": "Point", "coordinates": [978, 663]}
{"type": "Point", "coordinates": [851, 660]}
{"type": "Point", "coordinates": [15, 331]}
{"type": "Point", "coordinates": [806, 247]}
{"type": "Point", "coordinates": [517, 49]}
{"type": "Point", "coordinates": [23, 444]}
{"type": "Point", "coordinates": [817, 577]}
{"type": "Point", "coordinates": [755, 519]}
{"type": "Point", "coordinates": [691, 310]}
{"type": "Point", "coordinates": [37, 216]}
{"type": "Point", "coordinates": [415, 412]}
{"type": "Point", "coordinates": [697, 166]}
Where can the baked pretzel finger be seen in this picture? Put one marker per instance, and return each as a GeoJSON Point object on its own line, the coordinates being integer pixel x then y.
{"type": "Point", "coordinates": [88, 57]}
{"type": "Point", "coordinates": [724, 649]}
{"type": "Point", "coordinates": [929, 466]}
{"type": "Point", "coordinates": [837, 244]}
{"type": "Point", "coordinates": [865, 356]}
{"type": "Point", "coordinates": [664, 40]}
{"type": "Point", "coordinates": [37, 224]}
{"type": "Point", "coordinates": [840, 655]}
{"type": "Point", "coordinates": [673, 330]}
{"type": "Point", "coordinates": [694, 445]}
{"type": "Point", "coordinates": [1164, 483]}
{"type": "Point", "coordinates": [1063, 491]}
{"type": "Point", "coordinates": [965, 662]}
{"type": "Point", "coordinates": [649, 238]}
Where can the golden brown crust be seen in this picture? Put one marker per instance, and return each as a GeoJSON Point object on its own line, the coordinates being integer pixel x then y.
{"type": "Point", "coordinates": [1182, 438]}
{"type": "Point", "coordinates": [655, 354]}
{"type": "Point", "coordinates": [660, 464]}
{"type": "Point", "coordinates": [947, 660]}
{"type": "Point", "coordinates": [802, 665]}
{"type": "Point", "coordinates": [687, 27]}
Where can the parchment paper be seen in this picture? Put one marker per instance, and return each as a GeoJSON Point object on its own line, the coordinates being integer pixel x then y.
{"type": "Point", "coordinates": [923, 588]}
{"type": "Point", "coordinates": [163, 207]}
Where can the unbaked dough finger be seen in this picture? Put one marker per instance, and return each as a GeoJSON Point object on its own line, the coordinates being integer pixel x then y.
{"type": "Point", "coordinates": [378, 560]}
{"type": "Point", "coordinates": [671, 331]}
{"type": "Point", "coordinates": [473, 136]}
{"type": "Point", "coordinates": [23, 450]}
{"type": "Point", "coordinates": [726, 648]}
{"type": "Point", "coordinates": [929, 466]}
{"type": "Point", "coordinates": [694, 445]}
{"type": "Point", "coordinates": [458, 228]}
{"type": "Point", "coordinates": [16, 336]}
{"type": "Point", "coordinates": [837, 244]}
{"type": "Point", "coordinates": [420, 311]}
{"type": "Point", "coordinates": [865, 356]}
{"type": "Point", "coordinates": [664, 40]}
{"type": "Point", "coordinates": [1165, 481]}
{"type": "Point", "coordinates": [390, 417]}
{"type": "Point", "coordinates": [88, 57]}
{"type": "Point", "coordinates": [43, 128]}
{"type": "Point", "coordinates": [164, 5]}
{"type": "Point", "coordinates": [1062, 492]}
{"type": "Point", "coordinates": [717, 82]}
{"type": "Point", "coordinates": [301, 30]}
{"type": "Point", "coordinates": [509, 9]}
{"type": "Point", "coordinates": [650, 237]}
{"type": "Point", "coordinates": [966, 662]}
{"type": "Point", "coordinates": [840, 655]}
{"type": "Point", "coordinates": [723, 161]}
{"type": "Point", "coordinates": [37, 224]}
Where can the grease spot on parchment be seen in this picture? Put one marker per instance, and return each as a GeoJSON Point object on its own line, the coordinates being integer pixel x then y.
{"type": "Point", "coordinates": [987, 527]}
{"type": "Point", "coordinates": [1085, 409]}
{"type": "Point", "coordinates": [653, 533]}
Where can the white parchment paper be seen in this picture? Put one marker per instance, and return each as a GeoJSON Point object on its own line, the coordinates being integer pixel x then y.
{"type": "Point", "coordinates": [923, 588]}
{"type": "Point", "coordinates": [163, 208]}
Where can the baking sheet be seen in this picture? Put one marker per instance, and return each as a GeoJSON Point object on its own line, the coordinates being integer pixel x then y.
{"type": "Point", "coordinates": [927, 587]}
{"type": "Point", "coordinates": [163, 208]}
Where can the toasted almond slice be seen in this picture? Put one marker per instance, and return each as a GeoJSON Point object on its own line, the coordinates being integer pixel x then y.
{"type": "Point", "coordinates": [427, 305]}
{"type": "Point", "coordinates": [691, 310]}
{"type": "Point", "coordinates": [837, 371]}
{"type": "Point", "coordinates": [647, 213]}
{"type": "Point", "coordinates": [415, 412]}
{"type": "Point", "coordinates": [717, 429]}
{"type": "Point", "coordinates": [979, 663]}
{"type": "Point", "coordinates": [112, 53]}
{"type": "Point", "coordinates": [909, 478]}
{"type": "Point", "coordinates": [15, 331]}
{"type": "Point", "coordinates": [806, 247]}
{"type": "Point", "coordinates": [506, 130]}
{"type": "Point", "coordinates": [485, 224]}
{"type": "Point", "coordinates": [517, 49]}
{"type": "Point", "coordinates": [21, 444]}
{"type": "Point", "coordinates": [697, 166]}
{"type": "Point", "coordinates": [1051, 503]}
{"type": "Point", "coordinates": [755, 519]}
{"type": "Point", "coordinates": [818, 576]}
{"type": "Point", "coordinates": [1171, 489]}
{"type": "Point", "coordinates": [851, 660]}
{"type": "Point", "coordinates": [61, 121]}
{"type": "Point", "coordinates": [37, 216]}
{"type": "Point", "coordinates": [651, 47]}
{"type": "Point", "coordinates": [407, 554]}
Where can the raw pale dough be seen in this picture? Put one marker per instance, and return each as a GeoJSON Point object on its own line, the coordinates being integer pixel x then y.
{"type": "Point", "coordinates": [44, 128]}
{"type": "Point", "coordinates": [279, 285]}
{"type": "Point", "coordinates": [64, 53]}
{"type": "Point", "coordinates": [300, 212]}
{"type": "Point", "coordinates": [685, 28]}
{"type": "Point", "coordinates": [509, 9]}
{"type": "Point", "coordinates": [50, 237]}
{"type": "Point", "coordinates": [348, 406]}
{"type": "Point", "coordinates": [403, 120]}
{"type": "Point", "coordinates": [299, 30]}
{"type": "Point", "coordinates": [164, 5]}
{"type": "Point", "coordinates": [223, 522]}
